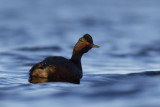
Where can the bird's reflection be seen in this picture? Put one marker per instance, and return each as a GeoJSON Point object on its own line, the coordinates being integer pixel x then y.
{"type": "Point", "coordinates": [36, 80]}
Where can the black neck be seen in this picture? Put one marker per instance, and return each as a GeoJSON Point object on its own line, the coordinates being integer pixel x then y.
{"type": "Point", "coordinates": [76, 58]}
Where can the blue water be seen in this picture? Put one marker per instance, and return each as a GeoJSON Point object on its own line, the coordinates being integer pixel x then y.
{"type": "Point", "coordinates": [123, 72]}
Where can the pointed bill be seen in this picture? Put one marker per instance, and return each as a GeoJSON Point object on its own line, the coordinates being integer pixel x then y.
{"type": "Point", "coordinates": [95, 46]}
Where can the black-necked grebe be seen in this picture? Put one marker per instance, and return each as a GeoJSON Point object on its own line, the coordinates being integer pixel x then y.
{"type": "Point", "coordinates": [60, 69]}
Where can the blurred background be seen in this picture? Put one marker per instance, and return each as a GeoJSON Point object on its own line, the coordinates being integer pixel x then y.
{"type": "Point", "coordinates": [128, 32]}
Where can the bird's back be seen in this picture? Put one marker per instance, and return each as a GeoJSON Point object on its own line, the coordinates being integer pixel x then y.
{"type": "Point", "coordinates": [57, 68]}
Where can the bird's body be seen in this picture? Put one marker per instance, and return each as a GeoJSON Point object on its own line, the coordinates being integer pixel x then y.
{"type": "Point", "coordinates": [60, 69]}
{"type": "Point", "coordinates": [57, 68]}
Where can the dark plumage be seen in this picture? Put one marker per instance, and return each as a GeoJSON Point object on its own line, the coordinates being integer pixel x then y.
{"type": "Point", "coordinates": [60, 69]}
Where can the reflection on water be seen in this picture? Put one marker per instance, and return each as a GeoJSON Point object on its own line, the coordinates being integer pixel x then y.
{"type": "Point", "coordinates": [35, 80]}
{"type": "Point", "coordinates": [127, 31]}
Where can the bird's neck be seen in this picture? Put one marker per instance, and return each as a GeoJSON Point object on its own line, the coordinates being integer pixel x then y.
{"type": "Point", "coordinates": [76, 58]}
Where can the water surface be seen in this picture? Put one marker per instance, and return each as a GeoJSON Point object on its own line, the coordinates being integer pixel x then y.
{"type": "Point", "coordinates": [123, 72]}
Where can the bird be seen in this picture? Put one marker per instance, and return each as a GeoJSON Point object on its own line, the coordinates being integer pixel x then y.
{"type": "Point", "coordinates": [60, 69]}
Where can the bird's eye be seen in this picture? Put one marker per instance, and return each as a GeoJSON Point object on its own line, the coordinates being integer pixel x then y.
{"type": "Point", "coordinates": [88, 43]}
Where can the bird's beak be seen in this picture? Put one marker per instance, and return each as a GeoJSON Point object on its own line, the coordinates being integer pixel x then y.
{"type": "Point", "coordinates": [95, 46]}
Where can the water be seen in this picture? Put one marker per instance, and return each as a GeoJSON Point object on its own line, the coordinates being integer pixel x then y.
{"type": "Point", "coordinates": [123, 72]}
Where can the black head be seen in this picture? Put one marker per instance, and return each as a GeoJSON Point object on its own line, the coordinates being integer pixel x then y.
{"type": "Point", "coordinates": [84, 44]}
{"type": "Point", "coordinates": [88, 38]}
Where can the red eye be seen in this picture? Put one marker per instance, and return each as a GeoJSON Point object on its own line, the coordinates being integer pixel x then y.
{"type": "Point", "coordinates": [88, 43]}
